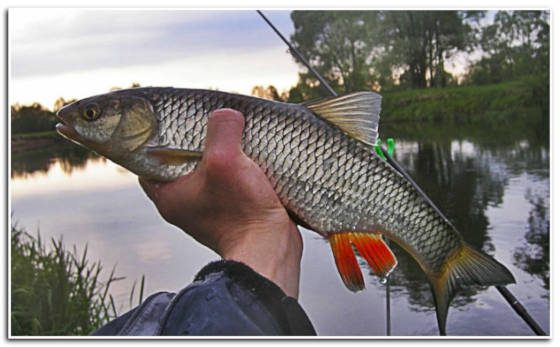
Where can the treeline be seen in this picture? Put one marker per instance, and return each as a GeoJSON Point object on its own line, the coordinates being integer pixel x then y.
{"type": "Point", "coordinates": [401, 50]}
{"type": "Point", "coordinates": [395, 51]}
{"type": "Point", "coordinates": [31, 118]}
{"type": "Point", "coordinates": [34, 117]}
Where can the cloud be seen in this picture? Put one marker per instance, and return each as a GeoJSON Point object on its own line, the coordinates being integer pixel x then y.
{"type": "Point", "coordinates": [55, 41]}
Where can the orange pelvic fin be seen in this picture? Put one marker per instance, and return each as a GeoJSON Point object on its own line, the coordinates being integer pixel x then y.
{"type": "Point", "coordinates": [370, 246]}
{"type": "Point", "coordinates": [346, 262]}
{"type": "Point", "coordinates": [375, 251]}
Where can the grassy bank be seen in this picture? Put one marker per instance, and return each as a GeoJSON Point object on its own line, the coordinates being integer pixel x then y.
{"type": "Point", "coordinates": [494, 103]}
{"type": "Point", "coordinates": [55, 291]}
{"type": "Point", "coordinates": [50, 134]}
{"type": "Point", "coordinates": [34, 140]}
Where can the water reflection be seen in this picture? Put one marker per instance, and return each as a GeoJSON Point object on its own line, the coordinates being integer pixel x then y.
{"type": "Point", "coordinates": [462, 186]}
{"type": "Point", "coordinates": [465, 173]}
{"type": "Point", "coordinates": [69, 156]}
{"type": "Point", "coordinates": [64, 169]}
{"type": "Point", "coordinates": [470, 172]}
{"type": "Point", "coordinates": [534, 255]}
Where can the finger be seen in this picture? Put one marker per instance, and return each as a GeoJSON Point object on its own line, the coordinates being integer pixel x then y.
{"type": "Point", "coordinates": [223, 136]}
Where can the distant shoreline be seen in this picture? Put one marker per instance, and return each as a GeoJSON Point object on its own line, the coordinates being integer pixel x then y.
{"type": "Point", "coordinates": [30, 141]}
{"type": "Point", "coordinates": [523, 100]}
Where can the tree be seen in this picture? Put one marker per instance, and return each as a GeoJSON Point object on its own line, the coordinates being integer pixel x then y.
{"type": "Point", "coordinates": [61, 102]}
{"type": "Point", "coordinates": [270, 93]}
{"type": "Point", "coordinates": [338, 45]}
{"type": "Point", "coordinates": [516, 44]}
{"type": "Point", "coordinates": [133, 85]}
{"type": "Point", "coordinates": [419, 43]}
{"type": "Point", "coordinates": [377, 50]}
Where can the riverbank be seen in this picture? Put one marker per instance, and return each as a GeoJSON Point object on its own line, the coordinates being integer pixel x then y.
{"type": "Point", "coordinates": [525, 100]}
{"type": "Point", "coordinates": [31, 141]}
{"type": "Point", "coordinates": [492, 103]}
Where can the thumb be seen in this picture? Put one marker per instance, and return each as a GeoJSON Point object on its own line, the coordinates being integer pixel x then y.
{"type": "Point", "coordinates": [223, 134]}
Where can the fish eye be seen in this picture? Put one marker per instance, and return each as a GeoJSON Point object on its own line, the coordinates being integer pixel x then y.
{"type": "Point", "coordinates": [91, 112]}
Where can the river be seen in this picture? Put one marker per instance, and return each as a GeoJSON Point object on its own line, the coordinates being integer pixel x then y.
{"type": "Point", "coordinates": [491, 182]}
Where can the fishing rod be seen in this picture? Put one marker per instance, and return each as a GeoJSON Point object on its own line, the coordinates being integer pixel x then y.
{"type": "Point", "coordinates": [506, 294]}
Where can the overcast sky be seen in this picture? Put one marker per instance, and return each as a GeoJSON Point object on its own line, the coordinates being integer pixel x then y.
{"type": "Point", "coordinates": [75, 53]}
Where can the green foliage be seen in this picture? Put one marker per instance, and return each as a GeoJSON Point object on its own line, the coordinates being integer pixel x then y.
{"type": "Point", "coordinates": [493, 103]}
{"type": "Point", "coordinates": [270, 93]}
{"type": "Point", "coordinates": [400, 50]}
{"type": "Point", "coordinates": [419, 42]}
{"type": "Point", "coordinates": [373, 50]}
{"type": "Point", "coordinates": [49, 134]}
{"type": "Point", "coordinates": [55, 291]}
{"type": "Point", "coordinates": [515, 45]}
{"type": "Point", "coordinates": [33, 118]}
{"type": "Point", "coordinates": [338, 44]}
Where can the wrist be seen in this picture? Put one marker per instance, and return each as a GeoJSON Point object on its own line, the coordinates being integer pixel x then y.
{"type": "Point", "coordinates": [273, 252]}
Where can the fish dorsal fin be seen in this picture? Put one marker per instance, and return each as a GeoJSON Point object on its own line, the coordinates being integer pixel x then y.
{"type": "Point", "coordinates": [356, 114]}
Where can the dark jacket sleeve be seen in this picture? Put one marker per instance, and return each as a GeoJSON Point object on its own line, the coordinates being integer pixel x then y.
{"type": "Point", "coordinates": [227, 298]}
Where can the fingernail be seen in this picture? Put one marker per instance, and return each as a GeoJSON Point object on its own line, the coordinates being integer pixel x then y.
{"type": "Point", "coordinates": [225, 111]}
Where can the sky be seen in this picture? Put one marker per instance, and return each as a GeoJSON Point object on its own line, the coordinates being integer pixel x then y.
{"type": "Point", "coordinates": [76, 53]}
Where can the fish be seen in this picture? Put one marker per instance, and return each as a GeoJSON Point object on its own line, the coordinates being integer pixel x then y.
{"type": "Point", "coordinates": [320, 159]}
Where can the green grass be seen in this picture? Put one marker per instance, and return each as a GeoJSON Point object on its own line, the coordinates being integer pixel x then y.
{"type": "Point", "coordinates": [55, 291]}
{"type": "Point", "coordinates": [36, 135]}
{"type": "Point", "coordinates": [495, 103]}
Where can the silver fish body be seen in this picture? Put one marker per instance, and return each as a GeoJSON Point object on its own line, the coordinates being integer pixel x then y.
{"type": "Point", "coordinates": [328, 179]}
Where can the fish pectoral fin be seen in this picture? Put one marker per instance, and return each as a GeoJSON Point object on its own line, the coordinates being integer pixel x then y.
{"type": "Point", "coordinates": [356, 114]}
{"type": "Point", "coordinates": [346, 262]}
{"type": "Point", "coordinates": [173, 156]}
{"type": "Point", "coordinates": [375, 251]}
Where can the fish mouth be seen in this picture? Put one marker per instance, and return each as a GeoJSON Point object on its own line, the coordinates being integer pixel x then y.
{"type": "Point", "coordinates": [66, 130]}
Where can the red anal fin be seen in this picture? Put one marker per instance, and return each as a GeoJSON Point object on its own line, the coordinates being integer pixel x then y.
{"type": "Point", "coordinates": [375, 251]}
{"type": "Point", "coordinates": [346, 262]}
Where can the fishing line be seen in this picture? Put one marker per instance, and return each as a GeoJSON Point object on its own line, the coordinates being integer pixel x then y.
{"type": "Point", "coordinates": [299, 56]}
{"type": "Point", "coordinates": [506, 294]}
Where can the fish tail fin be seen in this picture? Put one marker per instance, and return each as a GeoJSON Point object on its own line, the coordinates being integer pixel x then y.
{"type": "Point", "coordinates": [370, 246]}
{"type": "Point", "coordinates": [465, 267]}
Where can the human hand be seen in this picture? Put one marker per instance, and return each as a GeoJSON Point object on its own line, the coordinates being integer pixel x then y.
{"type": "Point", "coordinates": [228, 204]}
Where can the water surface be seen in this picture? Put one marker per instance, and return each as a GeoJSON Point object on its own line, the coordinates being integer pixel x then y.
{"type": "Point", "coordinates": [492, 183]}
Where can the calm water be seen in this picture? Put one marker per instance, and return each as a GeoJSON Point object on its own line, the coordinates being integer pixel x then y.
{"type": "Point", "coordinates": [492, 183]}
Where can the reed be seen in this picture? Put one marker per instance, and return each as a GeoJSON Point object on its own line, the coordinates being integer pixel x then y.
{"type": "Point", "coordinates": [55, 291]}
